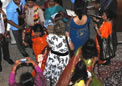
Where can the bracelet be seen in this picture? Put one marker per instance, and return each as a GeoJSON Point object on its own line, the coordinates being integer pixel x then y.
{"type": "Point", "coordinates": [69, 39]}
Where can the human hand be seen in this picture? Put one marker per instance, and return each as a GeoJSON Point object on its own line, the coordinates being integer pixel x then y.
{"type": "Point", "coordinates": [17, 62]}
{"type": "Point", "coordinates": [29, 60]}
{"type": "Point", "coordinates": [7, 34]}
{"type": "Point", "coordinates": [16, 65]}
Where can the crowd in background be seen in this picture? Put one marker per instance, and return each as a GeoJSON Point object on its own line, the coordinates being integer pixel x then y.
{"type": "Point", "coordinates": [60, 39]}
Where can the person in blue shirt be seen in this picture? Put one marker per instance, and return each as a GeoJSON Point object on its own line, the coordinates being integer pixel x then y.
{"type": "Point", "coordinates": [12, 16]}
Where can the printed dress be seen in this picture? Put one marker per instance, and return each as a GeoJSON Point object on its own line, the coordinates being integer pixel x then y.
{"type": "Point", "coordinates": [57, 59]}
{"type": "Point", "coordinates": [79, 34]}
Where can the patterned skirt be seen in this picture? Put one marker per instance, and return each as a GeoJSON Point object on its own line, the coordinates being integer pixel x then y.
{"type": "Point", "coordinates": [55, 65]}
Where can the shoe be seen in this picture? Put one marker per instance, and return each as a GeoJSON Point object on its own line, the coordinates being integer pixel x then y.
{"type": "Point", "coordinates": [108, 62]}
{"type": "Point", "coordinates": [0, 68]}
{"type": "Point", "coordinates": [25, 54]}
{"type": "Point", "coordinates": [10, 61]}
{"type": "Point", "coordinates": [102, 62]}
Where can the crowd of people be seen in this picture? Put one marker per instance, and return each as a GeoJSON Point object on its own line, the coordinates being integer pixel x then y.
{"type": "Point", "coordinates": [64, 52]}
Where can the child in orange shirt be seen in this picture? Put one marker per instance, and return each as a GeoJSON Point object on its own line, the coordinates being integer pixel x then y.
{"type": "Point", "coordinates": [104, 37]}
{"type": "Point", "coordinates": [39, 43]}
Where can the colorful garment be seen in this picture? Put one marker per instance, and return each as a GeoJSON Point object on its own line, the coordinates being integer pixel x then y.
{"type": "Point", "coordinates": [56, 61]}
{"type": "Point", "coordinates": [39, 80]}
{"type": "Point", "coordinates": [80, 83]}
{"type": "Point", "coordinates": [68, 71]}
{"type": "Point", "coordinates": [79, 34]}
{"type": "Point", "coordinates": [95, 81]}
{"type": "Point", "coordinates": [50, 14]}
{"type": "Point", "coordinates": [106, 29]}
{"type": "Point", "coordinates": [77, 83]}
{"type": "Point", "coordinates": [39, 44]}
{"type": "Point", "coordinates": [105, 41]}
{"type": "Point", "coordinates": [52, 10]}
{"type": "Point", "coordinates": [36, 16]}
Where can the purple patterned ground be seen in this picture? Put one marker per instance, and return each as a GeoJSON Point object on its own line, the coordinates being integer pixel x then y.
{"type": "Point", "coordinates": [111, 75]}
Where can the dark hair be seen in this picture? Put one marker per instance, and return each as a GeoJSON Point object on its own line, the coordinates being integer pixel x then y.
{"type": "Point", "coordinates": [26, 79]}
{"type": "Point", "coordinates": [89, 49]}
{"type": "Point", "coordinates": [1, 4]}
{"type": "Point", "coordinates": [110, 14]}
{"type": "Point", "coordinates": [80, 72]}
{"type": "Point", "coordinates": [59, 2]}
{"type": "Point", "coordinates": [38, 28]}
{"type": "Point", "coordinates": [59, 28]}
{"type": "Point", "coordinates": [97, 1]}
{"type": "Point", "coordinates": [80, 8]}
{"type": "Point", "coordinates": [30, 0]}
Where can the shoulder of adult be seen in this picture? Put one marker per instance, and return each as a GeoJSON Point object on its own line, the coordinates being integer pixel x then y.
{"type": "Point", "coordinates": [10, 3]}
{"type": "Point", "coordinates": [60, 7]}
{"type": "Point", "coordinates": [50, 35]}
{"type": "Point", "coordinates": [10, 6]}
{"type": "Point", "coordinates": [3, 12]}
{"type": "Point", "coordinates": [87, 18]}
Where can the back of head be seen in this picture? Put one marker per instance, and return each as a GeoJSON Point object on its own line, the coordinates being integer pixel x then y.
{"type": "Point", "coordinates": [89, 49]}
{"type": "Point", "coordinates": [110, 14]}
{"type": "Point", "coordinates": [80, 8]}
{"type": "Point", "coordinates": [59, 2]}
{"type": "Point", "coordinates": [59, 28]}
{"type": "Point", "coordinates": [38, 28]}
{"type": "Point", "coordinates": [26, 79]}
{"type": "Point", "coordinates": [80, 72]}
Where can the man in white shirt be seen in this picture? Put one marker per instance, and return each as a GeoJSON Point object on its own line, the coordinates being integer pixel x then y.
{"type": "Point", "coordinates": [4, 6]}
{"type": "Point", "coordinates": [3, 35]}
